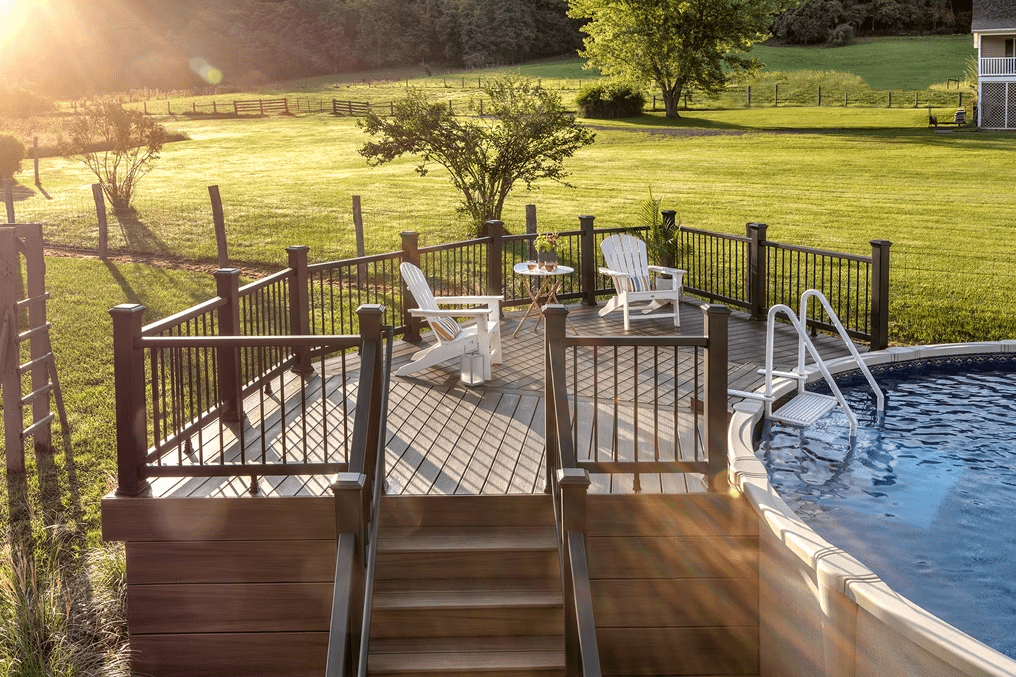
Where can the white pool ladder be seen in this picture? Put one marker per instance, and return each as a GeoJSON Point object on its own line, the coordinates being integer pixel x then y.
{"type": "Point", "coordinates": [807, 407]}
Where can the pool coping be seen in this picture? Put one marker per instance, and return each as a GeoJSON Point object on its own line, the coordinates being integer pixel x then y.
{"type": "Point", "coordinates": [836, 572]}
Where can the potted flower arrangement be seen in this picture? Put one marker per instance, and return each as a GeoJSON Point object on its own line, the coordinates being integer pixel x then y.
{"type": "Point", "coordinates": [546, 249]}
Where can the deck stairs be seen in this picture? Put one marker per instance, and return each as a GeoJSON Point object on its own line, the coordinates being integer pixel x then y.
{"type": "Point", "coordinates": [807, 407]}
{"type": "Point", "coordinates": [467, 585]}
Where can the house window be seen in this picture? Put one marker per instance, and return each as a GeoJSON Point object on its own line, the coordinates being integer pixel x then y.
{"type": "Point", "coordinates": [1010, 47]}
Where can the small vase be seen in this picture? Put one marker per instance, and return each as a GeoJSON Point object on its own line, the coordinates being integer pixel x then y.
{"type": "Point", "coordinates": [547, 260]}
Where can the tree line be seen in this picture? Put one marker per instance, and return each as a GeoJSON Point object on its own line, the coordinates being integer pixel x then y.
{"type": "Point", "coordinates": [81, 47]}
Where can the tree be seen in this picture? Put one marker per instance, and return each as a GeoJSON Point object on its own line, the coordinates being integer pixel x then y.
{"type": "Point", "coordinates": [118, 145]}
{"type": "Point", "coordinates": [12, 152]}
{"type": "Point", "coordinates": [524, 135]}
{"type": "Point", "coordinates": [674, 43]}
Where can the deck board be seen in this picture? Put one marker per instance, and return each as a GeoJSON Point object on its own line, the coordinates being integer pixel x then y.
{"type": "Point", "coordinates": [445, 438]}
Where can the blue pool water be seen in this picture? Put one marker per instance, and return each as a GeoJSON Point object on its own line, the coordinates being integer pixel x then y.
{"type": "Point", "coordinates": [927, 500]}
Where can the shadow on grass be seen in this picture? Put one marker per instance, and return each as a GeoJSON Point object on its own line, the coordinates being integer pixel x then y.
{"type": "Point", "coordinates": [138, 236]}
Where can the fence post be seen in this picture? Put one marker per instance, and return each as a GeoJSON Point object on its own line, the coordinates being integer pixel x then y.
{"type": "Point", "coordinates": [131, 412]}
{"type": "Point", "coordinates": [846, 99]}
{"type": "Point", "coordinates": [495, 258]}
{"type": "Point", "coordinates": [220, 227]}
{"type": "Point", "coordinates": [756, 282]}
{"type": "Point", "coordinates": [10, 382]}
{"type": "Point", "coordinates": [917, 99]}
{"type": "Point", "coordinates": [9, 199]}
{"type": "Point", "coordinates": [410, 254]}
{"type": "Point", "coordinates": [749, 97]}
{"type": "Point", "coordinates": [776, 99]}
{"type": "Point", "coordinates": [820, 95]}
{"type": "Point", "coordinates": [715, 395]}
{"type": "Point", "coordinates": [880, 294]}
{"type": "Point", "coordinates": [361, 270]}
{"type": "Point", "coordinates": [959, 105]}
{"type": "Point", "coordinates": [35, 153]}
{"type": "Point", "coordinates": [100, 214]}
{"type": "Point", "coordinates": [227, 285]}
{"type": "Point", "coordinates": [890, 98]}
{"type": "Point", "coordinates": [299, 305]}
{"type": "Point", "coordinates": [588, 279]}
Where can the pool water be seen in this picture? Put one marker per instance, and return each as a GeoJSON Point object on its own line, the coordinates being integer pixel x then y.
{"type": "Point", "coordinates": [927, 500]}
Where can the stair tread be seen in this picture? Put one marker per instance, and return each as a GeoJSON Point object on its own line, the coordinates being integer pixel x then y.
{"type": "Point", "coordinates": [467, 644]}
{"type": "Point", "coordinates": [400, 586]}
{"type": "Point", "coordinates": [470, 662]}
{"type": "Point", "coordinates": [463, 599]}
{"type": "Point", "coordinates": [420, 539]}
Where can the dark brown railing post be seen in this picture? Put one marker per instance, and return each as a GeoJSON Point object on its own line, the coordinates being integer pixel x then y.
{"type": "Point", "coordinates": [715, 396]}
{"type": "Point", "coordinates": [371, 317]}
{"type": "Point", "coordinates": [350, 564]}
{"type": "Point", "coordinates": [588, 280]}
{"type": "Point", "coordinates": [227, 284]}
{"type": "Point", "coordinates": [574, 484]}
{"type": "Point", "coordinates": [410, 254]}
{"type": "Point", "coordinates": [556, 316]}
{"type": "Point", "coordinates": [758, 303]}
{"type": "Point", "coordinates": [495, 258]}
{"type": "Point", "coordinates": [131, 412]}
{"type": "Point", "coordinates": [299, 305]}
{"type": "Point", "coordinates": [880, 294]}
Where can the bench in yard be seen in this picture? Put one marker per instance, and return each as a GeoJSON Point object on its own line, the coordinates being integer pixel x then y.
{"type": "Point", "coordinates": [959, 119]}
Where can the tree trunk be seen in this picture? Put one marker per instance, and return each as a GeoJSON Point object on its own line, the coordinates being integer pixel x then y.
{"type": "Point", "coordinates": [671, 101]}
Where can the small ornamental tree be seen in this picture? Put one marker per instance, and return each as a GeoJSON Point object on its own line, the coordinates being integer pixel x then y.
{"type": "Point", "coordinates": [523, 135]}
{"type": "Point", "coordinates": [118, 145]}
{"type": "Point", "coordinates": [12, 152]}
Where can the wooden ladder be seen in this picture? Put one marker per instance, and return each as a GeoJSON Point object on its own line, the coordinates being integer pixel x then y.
{"type": "Point", "coordinates": [41, 364]}
{"type": "Point", "coordinates": [467, 585]}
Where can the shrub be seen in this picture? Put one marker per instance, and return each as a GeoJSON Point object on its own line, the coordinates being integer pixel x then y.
{"type": "Point", "coordinates": [12, 152]}
{"type": "Point", "coordinates": [118, 145]}
{"type": "Point", "coordinates": [609, 101]}
{"type": "Point", "coordinates": [841, 36]}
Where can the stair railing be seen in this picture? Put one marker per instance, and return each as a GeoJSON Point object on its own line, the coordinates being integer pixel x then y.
{"type": "Point", "coordinates": [357, 503]}
{"type": "Point", "coordinates": [568, 485]}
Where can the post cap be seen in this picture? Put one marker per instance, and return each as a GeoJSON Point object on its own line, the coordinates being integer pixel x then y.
{"type": "Point", "coordinates": [125, 308]}
{"type": "Point", "coordinates": [348, 481]}
{"type": "Point", "coordinates": [573, 477]}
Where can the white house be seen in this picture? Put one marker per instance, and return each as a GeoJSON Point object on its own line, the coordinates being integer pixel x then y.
{"type": "Point", "coordinates": [994, 28]}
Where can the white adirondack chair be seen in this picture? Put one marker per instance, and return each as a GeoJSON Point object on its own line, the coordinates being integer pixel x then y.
{"type": "Point", "coordinates": [483, 335]}
{"type": "Point", "coordinates": [628, 266]}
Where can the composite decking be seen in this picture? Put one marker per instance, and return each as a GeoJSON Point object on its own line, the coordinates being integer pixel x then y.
{"type": "Point", "coordinates": [446, 438]}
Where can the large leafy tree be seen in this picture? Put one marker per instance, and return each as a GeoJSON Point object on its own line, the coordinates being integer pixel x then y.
{"type": "Point", "coordinates": [674, 44]}
{"type": "Point", "coordinates": [523, 136]}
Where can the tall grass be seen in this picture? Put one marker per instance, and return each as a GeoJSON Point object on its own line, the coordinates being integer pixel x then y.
{"type": "Point", "coordinates": [59, 617]}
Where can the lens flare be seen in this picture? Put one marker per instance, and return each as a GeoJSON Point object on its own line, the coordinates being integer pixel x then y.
{"type": "Point", "coordinates": [204, 70]}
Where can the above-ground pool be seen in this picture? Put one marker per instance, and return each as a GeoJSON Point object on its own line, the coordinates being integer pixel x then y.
{"type": "Point", "coordinates": [927, 498]}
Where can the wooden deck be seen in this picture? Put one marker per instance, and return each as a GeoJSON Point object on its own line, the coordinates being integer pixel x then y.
{"type": "Point", "coordinates": [445, 438]}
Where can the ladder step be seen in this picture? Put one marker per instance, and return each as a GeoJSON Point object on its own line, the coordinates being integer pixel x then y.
{"type": "Point", "coordinates": [38, 425]}
{"type": "Point", "coordinates": [41, 392]}
{"type": "Point", "coordinates": [24, 303]}
{"type": "Point", "coordinates": [25, 335]}
{"type": "Point", "coordinates": [37, 362]}
{"type": "Point", "coordinates": [805, 409]}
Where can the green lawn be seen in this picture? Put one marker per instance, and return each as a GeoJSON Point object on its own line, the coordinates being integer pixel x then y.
{"type": "Point", "coordinates": [883, 63]}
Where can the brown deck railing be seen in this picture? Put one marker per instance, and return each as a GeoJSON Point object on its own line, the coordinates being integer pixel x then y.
{"type": "Point", "coordinates": [657, 381]}
{"type": "Point", "coordinates": [754, 273]}
{"type": "Point", "coordinates": [358, 506]}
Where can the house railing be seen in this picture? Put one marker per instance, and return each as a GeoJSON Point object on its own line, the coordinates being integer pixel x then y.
{"type": "Point", "coordinates": [626, 405]}
{"type": "Point", "coordinates": [999, 65]}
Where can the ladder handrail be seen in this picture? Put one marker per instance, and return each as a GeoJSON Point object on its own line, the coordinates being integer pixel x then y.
{"type": "Point", "coordinates": [815, 293]}
{"type": "Point", "coordinates": [802, 333]}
